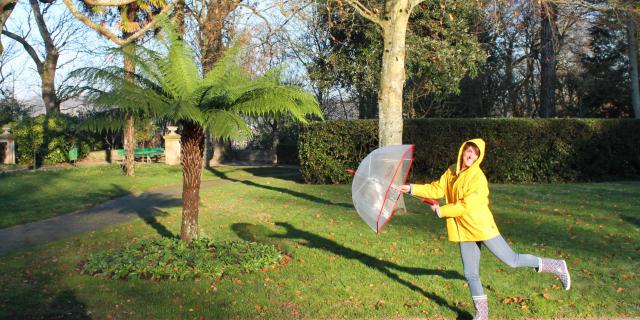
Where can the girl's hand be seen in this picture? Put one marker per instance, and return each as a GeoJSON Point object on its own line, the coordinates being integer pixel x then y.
{"type": "Point", "coordinates": [435, 208]}
{"type": "Point", "coordinates": [405, 188]}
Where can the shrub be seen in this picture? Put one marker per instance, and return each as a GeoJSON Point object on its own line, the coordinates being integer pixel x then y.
{"type": "Point", "coordinates": [58, 134]}
{"type": "Point", "coordinates": [173, 259]}
{"type": "Point", "coordinates": [519, 150]}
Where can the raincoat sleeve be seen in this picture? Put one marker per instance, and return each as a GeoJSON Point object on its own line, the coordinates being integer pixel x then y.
{"type": "Point", "coordinates": [433, 190]}
{"type": "Point", "coordinates": [475, 196]}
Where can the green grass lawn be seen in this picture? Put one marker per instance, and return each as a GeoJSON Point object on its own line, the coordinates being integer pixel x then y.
{"type": "Point", "coordinates": [31, 196]}
{"type": "Point", "coordinates": [339, 268]}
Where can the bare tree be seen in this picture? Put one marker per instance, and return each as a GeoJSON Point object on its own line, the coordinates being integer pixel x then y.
{"type": "Point", "coordinates": [56, 32]}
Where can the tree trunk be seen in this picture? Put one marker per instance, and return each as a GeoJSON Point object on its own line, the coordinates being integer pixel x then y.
{"type": "Point", "coordinates": [512, 97]}
{"type": "Point", "coordinates": [211, 44]}
{"type": "Point", "coordinates": [393, 73]}
{"type": "Point", "coordinates": [47, 78]}
{"type": "Point", "coordinates": [129, 130]}
{"type": "Point", "coordinates": [191, 139]}
{"type": "Point", "coordinates": [178, 18]}
{"type": "Point", "coordinates": [547, 59]}
{"type": "Point", "coordinates": [633, 65]}
{"type": "Point", "coordinates": [217, 146]}
{"type": "Point", "coordinates": [275, 143]}
{"type": "Point", "coordinates": [6, 8]}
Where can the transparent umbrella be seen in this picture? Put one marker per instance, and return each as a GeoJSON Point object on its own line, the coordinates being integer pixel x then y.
{"type": "Point", "coordinates": [375, 184]}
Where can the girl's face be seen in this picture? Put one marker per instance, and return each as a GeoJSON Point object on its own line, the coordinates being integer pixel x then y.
{"type": "Point", "coordinates": [469, 156]}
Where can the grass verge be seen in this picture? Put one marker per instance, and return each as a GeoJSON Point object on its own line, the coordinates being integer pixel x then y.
{"type": "Point", "coordinates": [339, 268]}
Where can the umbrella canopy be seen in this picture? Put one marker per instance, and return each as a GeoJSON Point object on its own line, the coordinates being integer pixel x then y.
{"type": "Point", "coordinates": [375, 185]}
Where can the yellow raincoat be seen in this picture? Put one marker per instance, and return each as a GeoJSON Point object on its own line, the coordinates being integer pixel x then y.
{"type": "Point", "coordinates": [466, 195]}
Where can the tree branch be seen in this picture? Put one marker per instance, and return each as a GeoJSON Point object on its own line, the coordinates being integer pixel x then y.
{"type": "Point", "coordinates": [414, 3]}
{"type": "Point", "coordinates": [613, 5]}
{"type": "Point", "coordinates": [257, 13]}
{"type": "Point", "coordinates": [6, 8]}
{"type": "Point", "coordinates": [26, 45]}
{"type": "Point", "coordinates": [365, 12]}
{"type": "Point", "coordinates": [107, 3]}
{"type": "Point", "coordinates": [42, 26]}
{"type": "Point", "coordinates": [108, 34]}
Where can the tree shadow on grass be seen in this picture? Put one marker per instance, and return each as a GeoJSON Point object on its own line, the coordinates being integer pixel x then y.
{"type": "Point", "coordinates": [284, 173]}
{"type": "Point", "coordinates": [148, 206]}
{"type": "Point", "coordinates": [260, 233]}
{"type": "Point", "coordinates": [630, 219]}
{"type": "Point", "coordinates": [301, 195]}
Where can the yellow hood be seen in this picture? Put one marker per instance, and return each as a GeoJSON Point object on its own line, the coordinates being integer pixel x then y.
{"type": "Point", "coordinates": [478, 142]}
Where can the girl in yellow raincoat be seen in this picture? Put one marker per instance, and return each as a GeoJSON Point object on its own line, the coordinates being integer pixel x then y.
{"type": "Point", "coordinates": [469, 221]}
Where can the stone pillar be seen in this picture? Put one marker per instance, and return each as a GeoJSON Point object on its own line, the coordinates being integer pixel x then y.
{"type": "Point", "coordinates": [172, 149]}
{"type": "Point", "coordinates": [10, 150]}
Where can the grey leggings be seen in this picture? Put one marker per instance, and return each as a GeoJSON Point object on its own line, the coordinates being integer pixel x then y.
{"type": "Point", "coordinates": [470, 252]}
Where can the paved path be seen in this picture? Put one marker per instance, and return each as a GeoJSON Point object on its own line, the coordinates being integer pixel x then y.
{"type": "Point", "coordinates": [143, 205]}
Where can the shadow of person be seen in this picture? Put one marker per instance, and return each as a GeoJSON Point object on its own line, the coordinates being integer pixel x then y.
{"type": "Point", "coordinates": [30, 300]}
{"type": "Point", "coordinates": [261, 234]}
{"type": "Point", "coordinates": [66, 306]}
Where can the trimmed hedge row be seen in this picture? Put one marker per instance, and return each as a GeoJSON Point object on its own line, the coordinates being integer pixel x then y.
{"type": "Point", "coordinates": [518, 150]}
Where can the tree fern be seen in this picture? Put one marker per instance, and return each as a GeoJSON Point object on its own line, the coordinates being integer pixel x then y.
{"type": "Point", "coordinates": [170, 86]}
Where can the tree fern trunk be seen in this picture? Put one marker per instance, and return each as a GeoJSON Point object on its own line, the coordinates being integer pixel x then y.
{"type": "Point", "coordinates": [129, 147]}
{"type": "Point", "coordinates": [192, 139]}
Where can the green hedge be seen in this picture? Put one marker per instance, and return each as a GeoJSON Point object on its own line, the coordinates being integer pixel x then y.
{"type": "Point", "coordinates": [518, 150]}
{"type": "Point", "coordinates": [59, 134]}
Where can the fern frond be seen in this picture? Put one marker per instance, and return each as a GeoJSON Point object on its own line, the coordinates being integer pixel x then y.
{"type": "Point", "coordinates": [110, 121]}
{"type": "Point", "coordinates": [278, 100]}
{"type": "Point", "coordinates": [226, 65]}
{"type": "Point", "coordinates": [179, 110]}
{"type": "Point", "coordinates": [133, 99]}
{"type": "Point", "coordinates": [180, 72]}
{"type": "Point", "coordinates": [227, 125]}
{"type": "Point", "coordinates": [145, 60]}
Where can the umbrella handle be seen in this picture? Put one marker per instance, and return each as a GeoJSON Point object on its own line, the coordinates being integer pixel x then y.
{"type": "Point", "coordinates": [429, 201]}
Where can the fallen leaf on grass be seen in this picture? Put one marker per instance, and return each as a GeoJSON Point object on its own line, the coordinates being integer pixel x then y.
{"type": "Point", "coordinates": [620, 289]}
{"type": "Point", "coordinates": [379, 304]}
{"type": "Point", "coordinates": [463, 304]}
{"type": "Point", "coordinates": [411, 304]}
{"type": "Point", "coordinates": [516, 300]}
